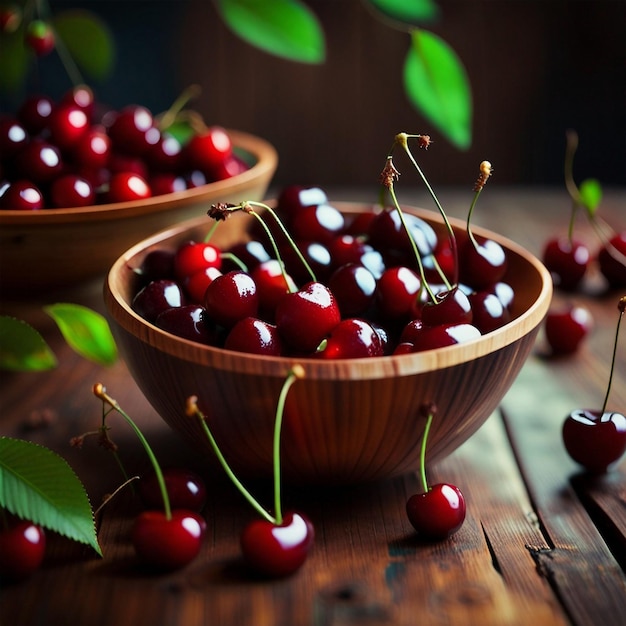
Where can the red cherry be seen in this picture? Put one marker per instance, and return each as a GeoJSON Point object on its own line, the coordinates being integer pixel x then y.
{"type": "Point", "coordinates": [396, 292]}
{"type": "Point", "coordinates": [567, 261]}
{"type": "Point", "coordinates": [352, 339]}
{"type": "Point", "coordinates": [278, 550]}
{"type": "Point", "coordinates": [39, 37]}
{"type": "Point", "coordinates": [450, 307]}
{"type": "Point", "coordinates": [185, 489]}
{"type": "Point", "coordinates": [595, 439]}
{"type": "Point", "coordinates": [67, 124]}
{"type": "Point", "coordinates": [231, 297]}
{"type": "Point", "coordinates": [189, 321]}
{"type": "Point", "coordinates": [13, 137]}
{"type": "Point", "coordinates": [612, 260]}
{"type": "Point", "coordinates": [488, 311]}
{"type": "Point", "coordinates": [307, 316]}
{"type": "Point", "coordinates": [81, 96]}
{"type": "Point", "coordinates": [156, 297]}
{"type": "Point", "coordinates": [566, 327]}
{"type": "Point", "coordinates": [92, 149]}
{"type": "Point", "coordinates": [133, 132]}
{"type": "Point", "coordinates": [482, 265]}
{"type": "Point", "coordinates": [168, 544]}
{"type": "Point", "coordinates": [195, 256]}
{"type": "Point", "coordinates": [71, 191]}
{"type": "Point", "coordinates": [254, 336]}
{"type": "Point", "coordinates": [293, 198]}
{"type": "Point", "coordinates": [438, 513]}
{"type": "Point", "coordinates": [321, 223]}
{"type": "Point", "coordinates": [39, 161]}
{"type": "Point", "coordinates": [271, 285]}
{"type": "Point", "coordinates": [232, 165]}
{"type": "Point", "coordinates": [34, 113]}
{"type": "Point", "coordinates": [22, 549]}
{"type": "Point", "coordinates": [126, 186]}
{"type": "Point", "coordinates": [196, 284]}
{"type": "Point", "coordinates": [165, 155]}
{"type": "Point", "coordinates": [355, 288]}
{"type": "Point", "coordinates": [21, 195]}
{"type": "Point", "coordinates": [207, 150]}
{"type": "Point", "coordinates": [387, 233]}
{"type": "Point", "coordinates": [442, 335]}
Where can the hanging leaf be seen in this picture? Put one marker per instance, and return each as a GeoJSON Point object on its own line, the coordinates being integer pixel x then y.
{"type": "Point", "coordinates": [22, 348]}
{"type": "Point", "coordinates": [86, 332]}
{"type": "Point", "coordinates": [88, 41]}
{"type": "Point", "coordinates": [409, 12]}
{"type": "Point", "coordinates": [590, 195]}
{"type": "Point", "coordinates": [38, 485]}
{"type": "Point", "coordinates": [437, 85]}
{"type": "Point", "coordinates": [284, 28]}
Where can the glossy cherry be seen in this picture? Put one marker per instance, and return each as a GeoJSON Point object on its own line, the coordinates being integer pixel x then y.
{"type": "Point", "coordinates": [254, 336]}
{"type": "Point", "coordinates": [354, 287]}
{"type": "Point", "coordinates": [39, 161]}
{"type": "Point", "coordinates": [71, 190]}
{"type": "Point", "coordinates": [132, 130]}
{"type": "Point", "coordinates": [67, 124]}
{"type": "Point", "coordinates": [195, 256]}
{"type": "Point", "coordinates": [482, 262]}
{"type": "Point", "coordinates": [396, 292]}
{"type": "Point", "coordinates": [442, 335]}
{"type": "Point", "coordinates": [22, 549]}
{"type": "Point", "coordinates": [352, 338]}
{"type": "Point", "coordinates": [205, 151]}
{"type": "Point", "coordinates": [320, 223]}
{"type": "Point", "coordinates": [21, 195]}
{"type": "Point", "coordinates": [156, 297]}
{"type": "Point", "coordinates": [612, 260]}
{"type": "Point", "coordinates": [272, 286]}
{"type": "Point", "coordinates": [13, 137]}
{"type": "Point", "coordinates": [185, 488]}
{"type": "Point", "coordinates": [196, 285]}
{"type": "Point", "coordinates": [277, 550]}
{"type": "Point", "coordinates": [231, 297]}
{"type": "Point", "coordinates": [189, 321]}
{"type": "Point", "coordinates": [438, 513]}
{"type": "Point", "coordinates": [126, 187]}
{"type": "Point", "coordinates": [567, 260]}
{"type": "Point", "coordinates": [566, 327]}
{"type": "Point", "coordinates": [451, 306]}
{"type": "Point", "coordinates": [168, 543]}
{"type": "Point", "coordinates": [488, 311]}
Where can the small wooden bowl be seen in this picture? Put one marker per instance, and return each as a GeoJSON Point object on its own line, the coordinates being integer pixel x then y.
{"type": "Point", "coordinates": [59, 248]}
{"type": "Point", "coordinates": [347, 421]}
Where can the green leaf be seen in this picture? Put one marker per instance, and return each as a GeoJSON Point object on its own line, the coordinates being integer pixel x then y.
{"type": "Point", "coordinates": [22, 348]}
{"type": "Point", "coordinates": [410, 12]}
{"type": "Point", "coordinates": [88, 41]}
{"type": "Point", "coordinates": [38, 485]}
{"type": "Point", "coordinates": [86, 332]}
{"type": "Point", "coordinates": [590, 195]}
{"type": "Point", "coordinates": [14, 61]}
{"type": "Point", "coordinates": [437, 85]}
{"type": "Point", "coordinates": [284, 28]}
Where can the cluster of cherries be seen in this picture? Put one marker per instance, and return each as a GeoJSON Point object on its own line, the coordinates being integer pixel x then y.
{"type": "Point", "coordinates": [66, 153]}
{"type": "Point", "coordinates": [361, 293]}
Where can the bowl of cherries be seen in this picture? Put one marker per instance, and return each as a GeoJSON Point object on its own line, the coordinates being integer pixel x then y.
{"type": "Point", "coordinates": [79, 185]}
{"type": "Point", "coordinates": [384, 308]}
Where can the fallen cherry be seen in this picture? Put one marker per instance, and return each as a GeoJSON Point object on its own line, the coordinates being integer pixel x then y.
{"type": "Point", "coordinates": [567, 260]}
{"type": "Point", "coordinates": [22, 549]}
{"type": "Point", "coordinates": [439, 511]}
{"type": "Point", "coordinates": [566, 327]}
{"type": "Point", "coordinates": [597, 438]}
{"type": "Point", "coordinates": [612, 260]}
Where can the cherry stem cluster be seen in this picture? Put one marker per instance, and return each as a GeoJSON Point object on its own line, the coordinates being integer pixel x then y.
{"type": "Point", "coordinates": [99, 390]}
{"type": "Point", "coordinates": [192, 410]}
{"type": "Point", "coordinates": [621, 306]}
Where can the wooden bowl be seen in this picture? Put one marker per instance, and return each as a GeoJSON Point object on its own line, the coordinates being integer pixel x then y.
{"type": "Point", "coordinates": [347, 421]}
{"type": "Point", "coordinates": [60, 248]}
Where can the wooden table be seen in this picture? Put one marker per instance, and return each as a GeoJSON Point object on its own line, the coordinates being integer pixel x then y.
{"type": "Point", "coordinates": [541, 544]}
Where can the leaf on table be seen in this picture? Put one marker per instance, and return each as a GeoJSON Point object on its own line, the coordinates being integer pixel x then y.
{"type": "Point", "coordinates": [284, 28]}
{"type": "Point", "coordinates": [437, 85]}
{"type": "Point", "coordinates": [88, 41]}
{"type": "Point", "coordinates": [86, 332]}
{"type": "Point", "coordinates": [22, 348]}
{"type": "Point", "coordinates": [410, 12]}
{"type": "Point", "coordinates": [590, 195]}
{"type": "Point", "coordinates": [38, 485]}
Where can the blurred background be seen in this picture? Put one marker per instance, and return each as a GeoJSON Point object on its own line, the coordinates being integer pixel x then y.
{"type": "Point", "coordinates": [537, 68]}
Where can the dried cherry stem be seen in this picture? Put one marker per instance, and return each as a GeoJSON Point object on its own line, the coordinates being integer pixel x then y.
{"type": "Point", "coordinates": [429, 412]}
{"type": "Point", "coordinates": [621, 306]}
{"type": "Point", "coordinates": [485, 173]}
{"type": "Point", "coordinates": [401, 139]}
{"type": "Point", "coordinates": [99, 390]}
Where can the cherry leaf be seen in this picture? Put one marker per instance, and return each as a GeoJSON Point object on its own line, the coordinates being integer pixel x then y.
{"type": "Point", "coordinates": [437, 85]}
{"type": "Point", "coordinates": [86, 332]}
{"type": "Point", "coordinates": [38, 485]}
{"type": "Point", "coordinates": [284, 28]}
{"type": "Point", "coordinates": [410, 12]}
{"type": "Point", "coordinates": [88, 41]}
{"type": "Point", "coordinates": [22, 348]}
{"type": "Point", "coordinates": [14, 61]}
{"type": "Point", "coordinates": [590, 195]}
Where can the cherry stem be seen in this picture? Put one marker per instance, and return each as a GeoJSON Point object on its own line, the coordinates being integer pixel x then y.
{"type": "Point", "coordinates": [107, 498]}
{"type": "Point", "coordinates": [296, 372]}
{"type": "Point", "coordinates": [429, 421]}
{"type": "Point", "coordinates": [402, 140]}
{"type": "Point", "coordinates": [194, 410]}
{"type": "Point", "coordinates": [99, 391]}
{"type": "Point", "coordinates": [235, 259]}
{"type": "Point", "coordinates": [292, 243]}
{"type": "Point", "coordinates": [621, 306]}
{"type": "Point", "coordinates": [170, 116]}
{"type": "Point", "coordinates": [211, 232]}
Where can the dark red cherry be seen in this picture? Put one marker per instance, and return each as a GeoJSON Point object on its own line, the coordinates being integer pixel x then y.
{"type": "Point", "coordinates": [433, 337]}
{"type": "Point", "coordinates": [307, 316]}
{"type": "Point", "coordinates": [231, 297]}
{"type": "Point", "coordinates": [22, 549]}
{"type": "Point", "coordinates": [196, 284]}
{"type": "Point", "coordinates": [157, 264]}
{"type": "Point", "coordinates": [612, 260]}
{"type": "Point", "coordinates": [164, 182]}
{"type": "Point", "coordinates": [488, 311]}
{"type": "Point", "coordinates": [567, 261]}
{"type": "Point", "coordinates": [39, 161]}
{"type": "Point", "coordinates": [271, 286]}
{"type": "Point", "coordinates": [92, 149]}
{"type": "Point", "coordinates": [386, 232]}
{"type": "Point", "coordinates": [13, 137]}
{"type": "Point", "coordinates": [438, 513]}
{"type": "Point", "coordinates": [347, 249]}
{"type": "Point", "coordinates": [165, 155]}
{"type": "Point", "coordinates": [194, 256]}
{"type": "Point", "coordinates": [168, 544]}
{"type": "Point", "coordinates": [396, 292]}
{"type": "Point", "coordinates": [71, 190]}
{"type": "Point", "coordinates": [316, 255]}
{"type": "Point", "coordinates": [185, 489]}
{"type": "Point", "coordinates": [250, 253]}
{"type": "Point", "coordinates": [450, 307]}
{"type": "Point", "coordinates": [126, 187]}
{"type": "Point", "coordinates": [232, 165]}
{"type": "Point", "coordinates": [206, 150]}
{"type": "Point", "coordinates": [156, 297]}
{"type": "Point", "coordinates": [352, 338]}
{"type": "Point", "coordinates": [132, 130]}
{"type": "Point", "coordinates": [121, 163]}
{"type": "Point", "coordinates": [595, 439]}
{"type": "Point", "coordinates": [320, 223]}
{"type": "Point", "coordinates": [354, 287]}
{"type": "Point", "coordinates": [565, 327]}
{"type": "Point", "coordinates": [81, 96]}
{"type": "Point", "coordinates": [277, 550]}
{"type": "Point", "coordinates": [254, 336]}
{"type": "Point", "coordinates": [482, 265]}
{"type": "Point", "coordinates": [21, 195]}
{"type": "Point", "coordinates": [188, 321]}
{"type": "Point", "coordinates": [294, 198]}
{"type": "Point", "coordinates": [39, 37]}
{"type": "Point", "coordinates": [67, 124]}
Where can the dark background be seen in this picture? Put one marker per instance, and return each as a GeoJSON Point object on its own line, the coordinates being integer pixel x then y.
{"type": "Point", "coordinates": [537, 68]}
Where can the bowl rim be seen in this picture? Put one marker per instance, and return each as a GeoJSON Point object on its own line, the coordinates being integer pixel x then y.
{"type": "Point", "coordinates": [266, 162]}
{"type": "Point", "coordinates": [369, 368]}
